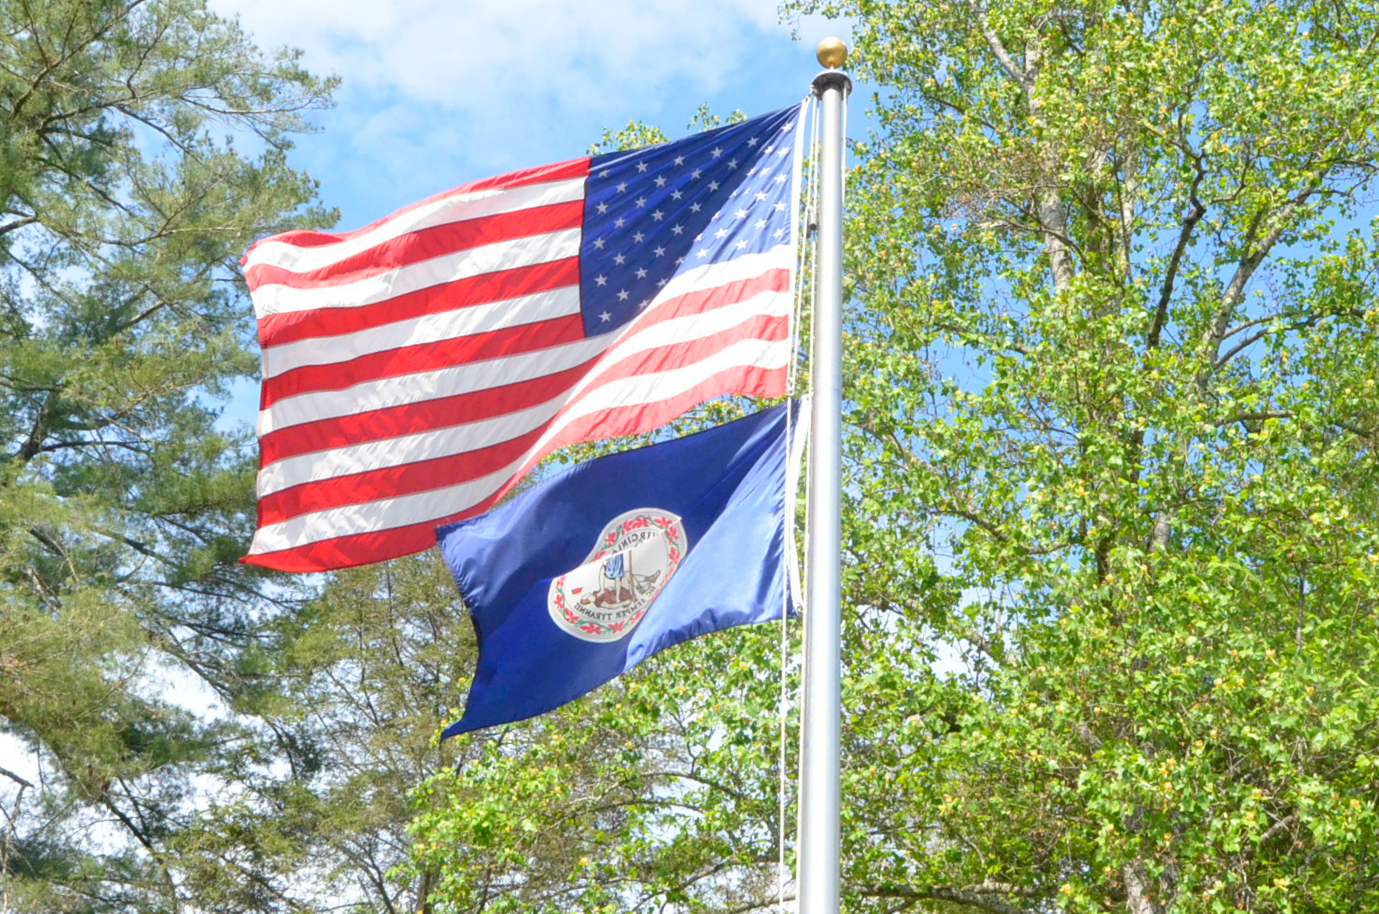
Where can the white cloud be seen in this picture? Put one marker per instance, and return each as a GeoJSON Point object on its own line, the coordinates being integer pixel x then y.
{"type": "Point", "coordinates": [435, 93]}
{"type": "Point", "coordinates": [455, 54]}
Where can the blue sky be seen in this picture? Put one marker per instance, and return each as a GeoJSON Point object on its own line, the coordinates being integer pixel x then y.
{"type": "Point", "coordinates": [437, 93]}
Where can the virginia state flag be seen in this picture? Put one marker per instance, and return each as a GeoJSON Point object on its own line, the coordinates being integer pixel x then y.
{"type": "Point", "coordinates": [590, 572]}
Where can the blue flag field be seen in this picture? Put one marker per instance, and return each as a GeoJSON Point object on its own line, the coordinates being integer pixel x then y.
{"type": "Point", "coordinates": [590, 572]}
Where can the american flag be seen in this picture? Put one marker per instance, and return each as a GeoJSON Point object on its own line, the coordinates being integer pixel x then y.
{"type": "Point", "coordinates": [414, 370]}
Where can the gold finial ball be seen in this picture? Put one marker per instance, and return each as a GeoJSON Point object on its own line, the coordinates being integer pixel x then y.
{"type": "Point", "coordinates": [832, 53]}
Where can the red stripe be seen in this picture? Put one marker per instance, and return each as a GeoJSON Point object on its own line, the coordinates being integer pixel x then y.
{"type": "Point", "coordinates": [407, 360]}
{"type": "Point", "coordinates": [358, 549]}
{"type": "Point", "coordinates": [730, 293]}
{"type": "Point", "coordinates": [392, 482]}
{"type": "Point", "coordinates": [410, 418]}
{"type": "Point", "coordinates": [574, 168]}
{"type": "Point", "coordinates": [290, 327]}
{"type": "Point", "coordinates": [618, 421]}
{"type": "Point", "coordinates": [424, 244]}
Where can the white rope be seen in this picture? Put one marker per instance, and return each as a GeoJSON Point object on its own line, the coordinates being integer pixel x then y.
{"type": "Point", "coordinates": [804, 256]}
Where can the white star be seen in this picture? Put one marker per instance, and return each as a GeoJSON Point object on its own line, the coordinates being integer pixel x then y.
{"type": "Point", "coordinates": [604, 173]}
{"type": "Point", "coordinates": [780, 178]}
{"type": "Point", "coordinates": [761, 195]}
{"type": "Point", "coordinates": [641, 273]}
{"type": "Point", "coordinates": [713, 186]}
{"type": "Point", "coordinates": [720, 233]}
{"type": "Point", "coordinates": [741, 245]}
{"type": "Point", "coordinates": [760, 223]}
{"type": "Point", "coordinates": [694, 175]}
{"type": "Point", "coordinates": [660, 251]}
{"type": "Point", "coordinates": [658, 215]}
{"type": "Point", "coordinates": [660, 181]}
{"type": "Point", "coordinates": [641, 166]}
{"type": "Point", "coordinates": [619, 259]}
{"type": "Point", "coordinates": [598, 243]}
{"type": "Point", "coordinates": [679, 260]}
{"type": "Point", "coordinates": [675, 195]}
{"type": "Point", "coordinates": [677, 229]}
{"type": "Point", "coordinates": [679, 160]}
{"type": "Point", "coordinates": [638, 238]}
{"type": "Point", "coordinates": [741, 214]}
{"type": "Point", "coordinates": [767, 149]}
{"type": "Point", "coordinates": [620, 222]}
{"type": "Point", "coordinates": [605, 317]}
{"type": "Point", "coordinates": [602, 208]}
{"type": "Point", "coordinates": [703, 252]}
{"type": "Point", "coordinates": [641, 201]}
{"type": "Point", "coordinates": [622, 187]}
{"type": "Point", "coordinates": [782, 151]}
{"type": "Point", "coordinates": [717, 152]}
{"type": "Point", "coordinates": [780, 207]}
{"type": "Point", "coordinates": [623, 294]}
{"type": "Point", "coordinates": [752, 141]}
{"type": "Point", "coordinates": [661, 283]}
{"type": "Point", "coordinates": [778, 232]}
{"type": "Point", "coordinates": [601, 280]}
{"type": "Point", "coordinates": [645, 302]}
{"type": "Point", "coordinates": [732, 163]}
{"type": "Point", "coordinates": [695, 207]}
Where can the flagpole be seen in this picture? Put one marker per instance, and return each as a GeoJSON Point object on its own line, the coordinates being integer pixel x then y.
{"type": "Point", "coordinates": [820, 787]}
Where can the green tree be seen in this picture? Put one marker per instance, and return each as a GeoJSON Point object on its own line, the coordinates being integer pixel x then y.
{"type": "Point", "coordinates": [365, 672]}
{"type": "Point", "coordinates": [142, 146]}
{"type": "Point", "coordinates": [1115, 356]}
{"type": "Point", "coordinates": [1113, 512]}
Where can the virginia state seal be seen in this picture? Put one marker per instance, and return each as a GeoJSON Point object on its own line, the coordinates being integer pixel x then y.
{"type": "Point", "coordinates": [605, 597]}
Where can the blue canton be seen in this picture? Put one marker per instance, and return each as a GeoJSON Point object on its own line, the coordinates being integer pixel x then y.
{"type": "Point", "coordinates": [652, 213]}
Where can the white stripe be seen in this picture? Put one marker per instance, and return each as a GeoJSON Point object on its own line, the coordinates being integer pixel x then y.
{"type": "Point", "coordinates": [747, 266]}
{"type": "Point", "coordinates": [429, 385]}
{"type": "Point", "coordinates": [383, 514]}
{"type": "Point", "coordinates": [275, 298]}
{"type": "Point", "coordinates": [429, 328]}
{"type": "Point", "coordinates": [405, 449]}
{"type": "Point", "coordinates": [387, 513]}
{"type": "Point", "coordinates": [474, 205]}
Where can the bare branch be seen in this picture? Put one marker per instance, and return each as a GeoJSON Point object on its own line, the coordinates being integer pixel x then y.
{"type": "Point", "coordinates": [1190, 221]}
{"type": "Point", "coordinates": [14, 777]}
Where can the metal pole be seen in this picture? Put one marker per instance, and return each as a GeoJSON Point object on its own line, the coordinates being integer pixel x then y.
{"type": "Point", "coordinates": [820, 788]}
